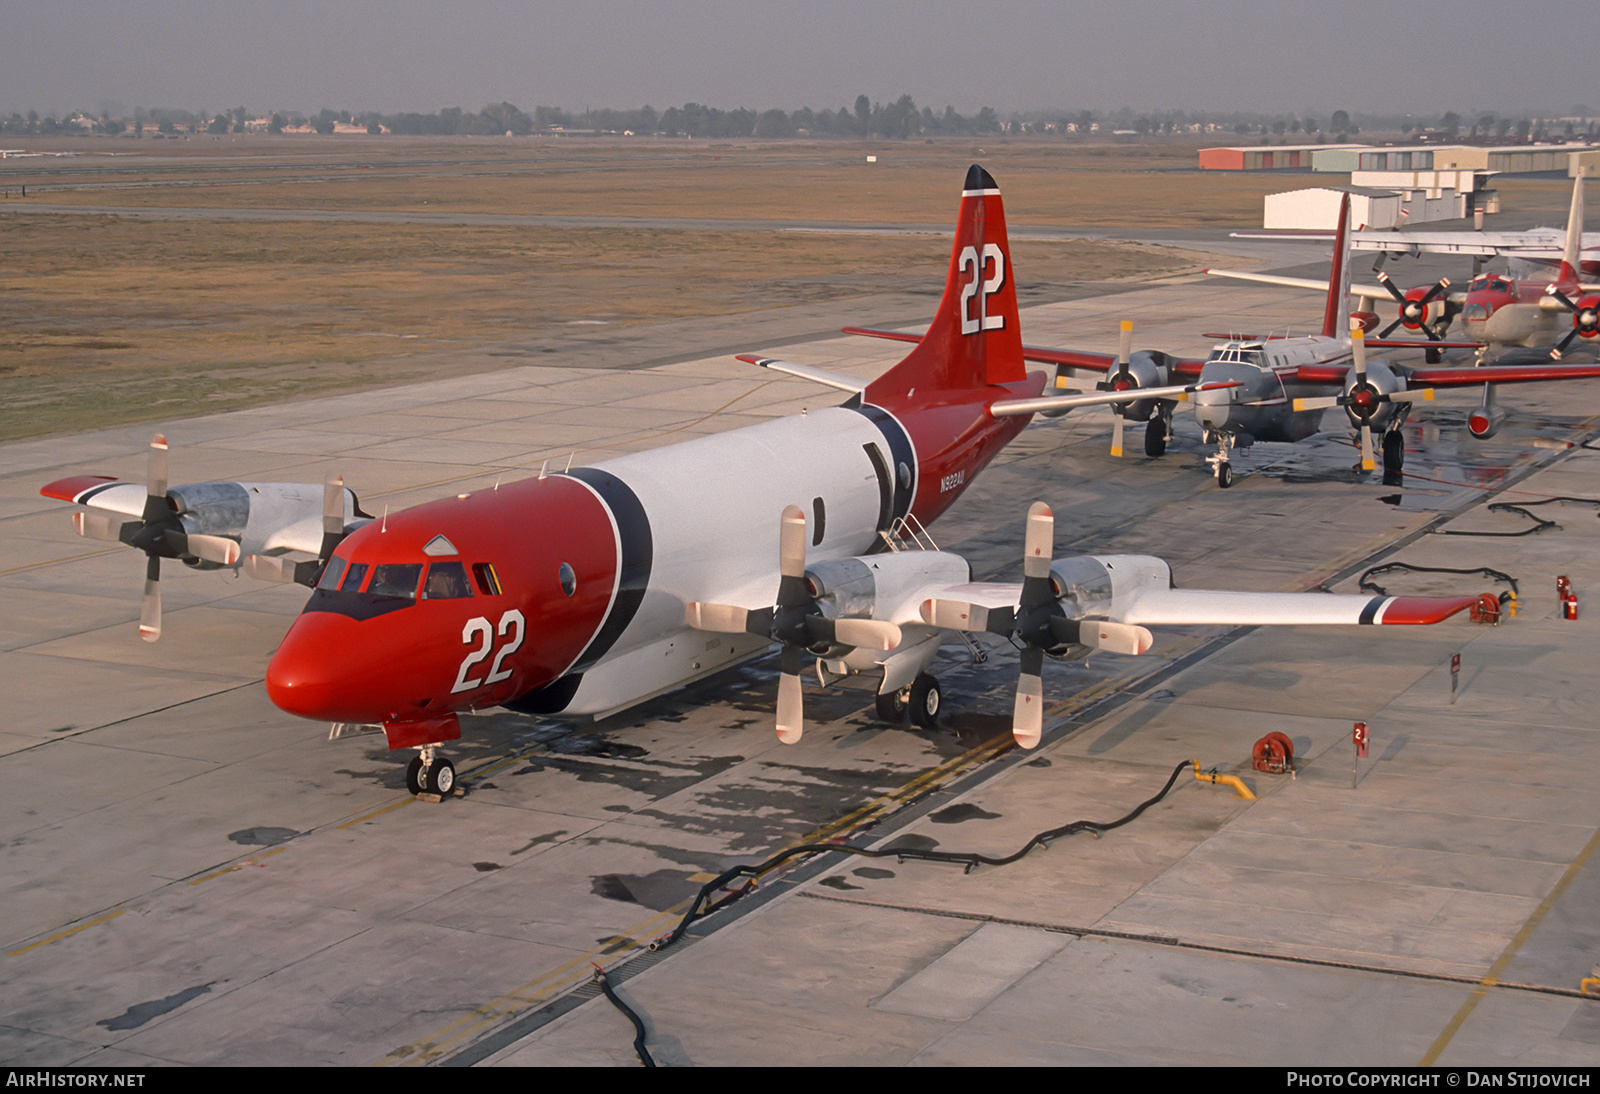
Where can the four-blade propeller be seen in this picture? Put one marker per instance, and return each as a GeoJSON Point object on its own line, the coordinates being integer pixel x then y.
{"type": "Point", "coordinates": [159, 533]}
{"type": "Point", "coordinates": [1363, 399]}
{"type": "Point", "coordinates": [1585, 318]}
{"type": "Point", "coordinates": [1414, 308]}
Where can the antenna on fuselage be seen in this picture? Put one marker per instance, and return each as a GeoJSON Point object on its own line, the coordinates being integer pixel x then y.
{"type": "Point", "coordinates": [384, 527]}
{"type": "Point", "coordinates": [544, 472]}
{"type": "Point", "coordinates": [570, 457]}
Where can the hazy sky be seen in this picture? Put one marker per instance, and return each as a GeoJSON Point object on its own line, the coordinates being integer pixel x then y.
{"type": "Point", "coordinates": [1295, 56]}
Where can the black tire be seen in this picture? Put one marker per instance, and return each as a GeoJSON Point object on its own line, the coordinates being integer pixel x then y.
{"type": "Point", "coordinates": [1224, 474]}
{"type": "Point", "coordinates": [1155, 437]}
{"type": "Point", "coordinates": [439, 778]}
{"type": "Point", "coordinates": [1432, 356]}
{"type": "Point", "coordinates": [925, 701]}
{"type": "Point", "coordinates": [1394, 451]}
{"type": "Point", "coordinates": [891, 707]}
{"type": "Point", "coordinates": [414, 775]}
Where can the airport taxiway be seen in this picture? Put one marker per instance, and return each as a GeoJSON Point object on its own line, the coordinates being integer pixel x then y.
{"type": "Point", "coordinates": [192, 877]}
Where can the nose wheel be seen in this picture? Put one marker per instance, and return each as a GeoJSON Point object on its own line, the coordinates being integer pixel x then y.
{"type": "Point", "coordinates": [1219, 462]}
{"type": "Point", "coordinates": [430, 773]}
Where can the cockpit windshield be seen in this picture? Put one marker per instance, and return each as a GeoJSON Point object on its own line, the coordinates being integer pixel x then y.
{"type": "Point", "coordinates": [1234, 353]}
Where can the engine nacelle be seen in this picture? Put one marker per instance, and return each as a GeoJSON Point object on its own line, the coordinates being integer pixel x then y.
{"type": "Point", "coordinates": [265, 517]}
{"type": "Point", "coordinates": [1093, 587]}
{"type": "Point", "coordinates": [1366, 401]}
{"type": "Point", "coordinates": [879, 586]}
{"type": "Point", "coordinates": [1147, 368]}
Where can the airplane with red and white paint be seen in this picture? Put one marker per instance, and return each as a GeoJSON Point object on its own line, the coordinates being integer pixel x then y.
{"type": "Point", "coordinates": [1496, 310]}
{"type": "Point", "coordinates": [1275, 389]}
{"type": "Point", "coordinates": [591, 590]}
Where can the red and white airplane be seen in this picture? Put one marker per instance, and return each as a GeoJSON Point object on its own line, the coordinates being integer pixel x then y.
{"type": "Point", "coordinates": [588, 591]}
{"type": "Point", "coordinates": [1495, 310]}
{"type": "Point", "coordinates": [1275, 389]}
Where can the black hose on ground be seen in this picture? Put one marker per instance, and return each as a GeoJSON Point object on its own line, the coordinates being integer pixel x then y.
{"type": "Point", "coordinates": [638, 1025]}
{"type": "Point", "coordinates": [700, 906]}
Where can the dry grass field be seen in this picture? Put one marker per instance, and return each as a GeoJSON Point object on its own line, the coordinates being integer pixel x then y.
{"type": "Point", "coordinates": [107, 319]}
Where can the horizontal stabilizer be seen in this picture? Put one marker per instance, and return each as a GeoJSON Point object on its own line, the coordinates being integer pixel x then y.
{"type": "Point", "coordinates": [807, 372]}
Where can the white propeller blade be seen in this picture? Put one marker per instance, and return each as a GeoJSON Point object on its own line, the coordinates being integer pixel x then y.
{"type": "Point", "coordinates": [720, 618]}
{"type": "Point", "coordinates": [156, 476]}
{"type": "Point", "coordinates": [269, 568]}
{"type": "Point", "coordinates": [791, 709]}
{"type": "Point", "coordinates": [868, 634]}
{"type": "Point", "coordinates": [96, 525]}
{"type": "Point", "coordinates": [219, 549]}
{"type": "Point", "coordinates": [1039, 541]}
{"type": "Point", "coordinates": [1124, 351]}
{"type": "Point", "coordinates": [792, 543]}
{"type": "Point", "coordinates": [1027, 717]}
{"type": "Point", "coordinates": [1115, 637]}
{"type": "Point", "coordinates": [150, 606]}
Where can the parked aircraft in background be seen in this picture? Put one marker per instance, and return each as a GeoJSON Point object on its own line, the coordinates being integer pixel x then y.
{"type": "Point", "coordinates": [1275, 389]}
{"type": "Point", "coordinates": [1495, 310]}
{"type": "Point", "coordinates": [591, 590]}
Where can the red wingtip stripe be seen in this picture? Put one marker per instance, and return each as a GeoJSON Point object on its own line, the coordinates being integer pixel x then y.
{"type": "Point", "coordinates": [71, 489]}
{"type": "Point", "coordinates": [1423, 610]}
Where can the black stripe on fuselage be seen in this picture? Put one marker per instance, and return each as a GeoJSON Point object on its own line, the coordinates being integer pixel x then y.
{"type": "Point", "coordinates": [901, 454]}
{"type": "Point", "coordinates": [638, 556]}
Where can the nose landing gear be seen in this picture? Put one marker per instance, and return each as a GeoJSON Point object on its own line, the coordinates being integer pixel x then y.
{"type": "Point", "coordinates": [430, 773]}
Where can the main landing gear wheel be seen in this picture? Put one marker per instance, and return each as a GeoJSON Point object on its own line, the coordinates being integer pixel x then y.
{"type": "Point", "coordinates": [1394, 451]}
{"type": "Point", "coordinates": [414, 775]}
{"type": "Point", "coordinates": [1155, 436]}
{"type": "Point", "coordinates": [1224, 474]}
{"type": "Point", "coordinates": [925, 701]}
{"type": "Point", "coordinates": [892, 706]}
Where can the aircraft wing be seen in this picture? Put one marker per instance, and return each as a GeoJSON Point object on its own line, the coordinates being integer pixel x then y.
{"type": "Point", "coordinates": [1065, 358]}
{"type": "Point", "coordinates": [1500, 374]}
{"type": "Point", "coordinates": [1195, 607]}
{"type": "Point", "coordinates": [99, 492]}
{"type": "Point", "coordinates": [1366, 292]}
{"type": "Point", "coordinates": [1006, 408]}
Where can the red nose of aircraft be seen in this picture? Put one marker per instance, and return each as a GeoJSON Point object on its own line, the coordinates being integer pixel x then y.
{"type": "Point", "coordinates": [329, 669]}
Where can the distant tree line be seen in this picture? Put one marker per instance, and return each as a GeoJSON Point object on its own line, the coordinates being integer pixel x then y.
{"type": "Point", "coordinates": [901, 119]}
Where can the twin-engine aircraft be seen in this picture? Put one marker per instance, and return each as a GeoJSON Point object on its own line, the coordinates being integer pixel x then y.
{"type": "Point", "coordinates": [1276, 389]}
{"type": "Point", "coordinates": [1496, 311]}
{"type": "Point", "coordinates": [591, 590]}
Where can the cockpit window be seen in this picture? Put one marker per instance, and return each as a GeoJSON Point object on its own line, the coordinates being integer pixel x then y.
{"type": "Point", "coordinates": [353, 577]}
{"type": "Point", "coordinates": [332, 574]}
{"type": "Point", "coordinates": [396, 579]}
{"type": "Point", "coordinates": [446, 581]}
{"type": "Point", "coordinates": [1233, 353]}
{"type": "Point", "coordinates": [488, 581]}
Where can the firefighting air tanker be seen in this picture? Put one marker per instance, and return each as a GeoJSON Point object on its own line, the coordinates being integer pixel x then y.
{"type": "Point", "coordinates": [588, 591]}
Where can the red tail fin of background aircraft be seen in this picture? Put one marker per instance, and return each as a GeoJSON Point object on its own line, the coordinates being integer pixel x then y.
{"type": "Point", "coordinates": [1572, 253]}
{"type": "Point", "coordinates": [1336, 312]}
{"type": "Point", "coordinates": [975, 338]}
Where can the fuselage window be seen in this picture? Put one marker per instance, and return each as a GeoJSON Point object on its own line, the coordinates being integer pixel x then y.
{"type": "Point", "coordinates": [353, 577]}
{"type": "Point", "coordinates": [446, 581]}
{"type": "Point", "coordinates": [332, 574]}
{"type": "Point", "coordinates": [487, 580]}
{"type": "Point", "coordinates": [569, 579]}
{"type": "Point", "coordinates": [396, 579]}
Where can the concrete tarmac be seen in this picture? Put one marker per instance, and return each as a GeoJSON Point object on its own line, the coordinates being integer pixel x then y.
{"type": "Point", "coordinates": [192, 877]}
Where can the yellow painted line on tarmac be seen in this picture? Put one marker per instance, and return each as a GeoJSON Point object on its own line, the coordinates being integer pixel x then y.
{"type": "Point", "coordinates": [1517, 942]}
{"type": "Point", "coordinates": [235, 866]}
{"type": "Point", "coordinates": [55, 561]}
{"type": "Point", "coordinates": [68, 933]}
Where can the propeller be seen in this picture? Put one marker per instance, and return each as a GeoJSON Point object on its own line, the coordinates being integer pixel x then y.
{"type": "Point", "coordinates": [796, 621]}
{"type": "Point", "coordinates": [1364, 399]}
{"type": "Point", "coordinates": [1414, 307]}
{"type": "Point", "coordinates": [1121, 380]}
{"type": "Point", "coordinates": [1042, 625]}
{"type": "Point", "coordinates": [159, 533]}
{"type": "Point", "coordinates": [1585, 318]}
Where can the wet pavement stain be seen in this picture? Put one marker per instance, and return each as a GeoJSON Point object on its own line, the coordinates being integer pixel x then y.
{"type": "Point", "coordinates": [262, 837]}
{"type": "Point", "coordinates": [839, 883]}
{"type": "Point", "coordinates": [873, 873]}
{"type": "Point", "coordinates": [486, 867]}
{"type": "Point", "coordinates": [911, 842]}
{"type": "Point", "coordinates": [962, 811]}
{"type": "Point", "coordinates": [658, 891]}
{"type": "Point", "coordinates": [140, 1013]}
{"type": "Point", "coordinates": [541, 840]}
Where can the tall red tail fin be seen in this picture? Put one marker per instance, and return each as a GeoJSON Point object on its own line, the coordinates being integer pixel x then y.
{"type": "Point", "coordinates": [1572, 253]}
{"type": "Point", "coordinates": [1336, 312]}
{"type": "Point", "coordinates": [975, 338]}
